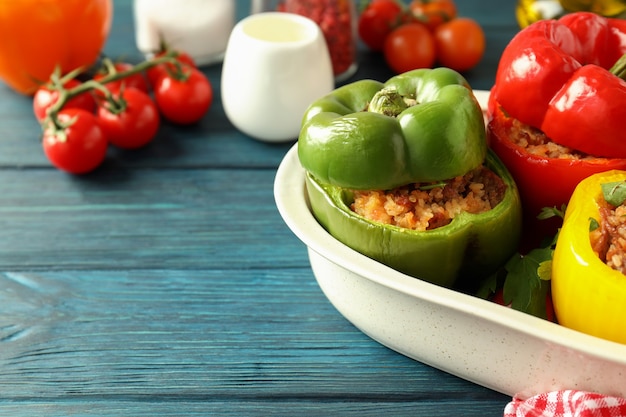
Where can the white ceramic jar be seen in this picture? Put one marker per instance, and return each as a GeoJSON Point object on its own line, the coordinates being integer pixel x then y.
{"type": "Point", "coordinates": [338, 21]}
{"type": "Point", "coordinates": [275, 65]}
{"type": "Point", "coordinates": [200, 28]}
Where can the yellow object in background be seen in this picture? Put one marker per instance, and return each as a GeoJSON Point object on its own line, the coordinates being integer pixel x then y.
{"type": "Point", "coordinates": [607, 8]}
{"type": "Point", "coordinates": [530, 11]}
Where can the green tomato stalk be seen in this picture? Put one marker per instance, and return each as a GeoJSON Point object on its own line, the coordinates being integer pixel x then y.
{"type": "Point", "coordinates": [58, 81]}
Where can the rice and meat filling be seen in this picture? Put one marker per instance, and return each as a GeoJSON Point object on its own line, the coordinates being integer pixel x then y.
{"type": "Point", "coordinates": [537, 143]}
{"type": "Point", "coordinates": [428, 206]}
{"type": "Point", "coordinates": [609, 239]}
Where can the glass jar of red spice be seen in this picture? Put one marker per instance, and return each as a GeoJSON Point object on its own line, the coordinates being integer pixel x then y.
{"type": "Point", "coordinates": [336, 19]}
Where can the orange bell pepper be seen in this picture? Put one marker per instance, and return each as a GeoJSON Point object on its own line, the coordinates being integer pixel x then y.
{"type": "Point", "coordinates": [41, 35]}
{"type": "Point", "coordinates": [588, 295]}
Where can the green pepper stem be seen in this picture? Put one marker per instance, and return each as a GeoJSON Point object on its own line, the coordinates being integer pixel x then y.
{"type": "Point", "coordinates": [619, 68]}
{"type": "Point", "coordinates": [390, 102]}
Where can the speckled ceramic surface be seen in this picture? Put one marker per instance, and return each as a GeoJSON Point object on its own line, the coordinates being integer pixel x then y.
{"type": "Point", "coordinates": [477, 340]}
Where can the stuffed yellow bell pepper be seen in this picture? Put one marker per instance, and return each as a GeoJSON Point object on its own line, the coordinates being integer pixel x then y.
{"type": "Point", "coordinates": [588, 279]}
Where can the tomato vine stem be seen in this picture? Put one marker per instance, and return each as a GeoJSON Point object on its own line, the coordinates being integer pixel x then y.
{"type": "Point", "coordinates": [67, 94]}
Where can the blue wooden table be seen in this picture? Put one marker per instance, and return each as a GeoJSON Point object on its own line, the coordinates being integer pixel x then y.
{"type": "Point", "coordinates": [166, 283]}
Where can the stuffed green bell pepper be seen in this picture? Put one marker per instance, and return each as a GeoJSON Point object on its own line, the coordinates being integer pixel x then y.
{"type": "Point", "coordinates": [381, 160]}
{"type": "Point", "coordinates": [423, 125]}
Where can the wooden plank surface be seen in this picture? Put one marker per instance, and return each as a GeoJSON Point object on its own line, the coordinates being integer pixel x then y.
{"type": "Point", "coordinates": [137, 219]}
{"type": "Point", "coordinates": [258, 340]}
{"type": "Point", "coordinates": [166, 283]}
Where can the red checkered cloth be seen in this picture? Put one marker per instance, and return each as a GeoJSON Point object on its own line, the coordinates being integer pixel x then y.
{"type": "Point", "coordinates": [567, 403]}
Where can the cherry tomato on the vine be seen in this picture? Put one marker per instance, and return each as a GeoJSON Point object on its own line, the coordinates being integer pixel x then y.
{"type": "Point", "coordinates": [408, 47]}
{"type": "Point", "coordinates": [433, 12]}
{"type": "Point", "coordinates": [460, 43]}
{"type": "Point", "coordinates": [80, 146]}
{"type": "Point", "coordinates": [183, 99]}
{"type": "Point", "coordinates": [137, 80]}
{"type": "Point", "coordinates": [137, 122]}
{"type": "Point", "coordinates": [377, 20]}
{"type": "Point", "coordinates": [155, 72]}
{"type": "Point", "coordinates": [45, 97]}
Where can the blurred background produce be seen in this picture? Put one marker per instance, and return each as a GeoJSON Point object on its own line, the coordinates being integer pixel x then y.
{"type": "Point", "coordinates": [414, 34]}
{"type": "Point", "coordinates": [39, 35]}
{"type": "Point", "coordinates": [421, 34]}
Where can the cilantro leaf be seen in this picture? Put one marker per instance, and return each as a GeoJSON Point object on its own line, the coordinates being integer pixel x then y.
{"type": "Point", "coordinates": [548, 212]}
{"type": "Point", "coordinates": [527, 283]}
{"type": "Point", "coordinates": [614, 192]}
{"type": "Point", "coordinates": [524, 282]}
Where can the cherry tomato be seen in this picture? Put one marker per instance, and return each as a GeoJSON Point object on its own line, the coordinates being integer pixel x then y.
{"type": "Point", "coordinates": [408, 47]}
{"type": "Point", "coordinates": [433, 12]}
{"type": "Point", "coordinates": [378, 19]}
{"type": "Point", "coordinates": [155, 72]}
{"type": "Point", "coordinates": [78, 148]}
{"type": "Point", "coordinates": [137, 80]}
{"type": "Point", "coordinates": [45, 97]}
{"type": "Point", "coordinates": [135, 125]}
{"type": "Point", "coordinates": [460, 43]}
{"type": "Point", "coordinates": [183, 100]}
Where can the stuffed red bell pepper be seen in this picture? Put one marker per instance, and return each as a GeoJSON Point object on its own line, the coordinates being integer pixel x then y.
{"type": "Point", "coordinates": [557, 110]}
